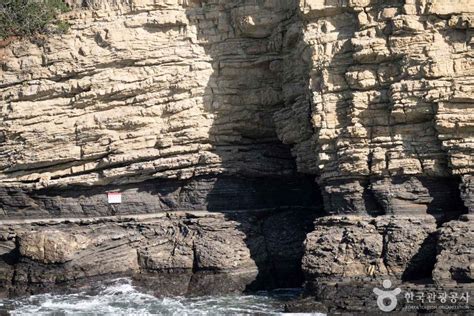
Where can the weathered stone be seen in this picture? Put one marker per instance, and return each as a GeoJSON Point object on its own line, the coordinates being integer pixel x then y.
{"type": "Point", "coordinates": [217, 105]}
{"type": "Point", "coordinates": [467, 192]}
{"type": "Point", "coordinates": [138, 91]}
{"type": "Point", "coordinates": [409, 196]}
{"type": "Point", "coordinates": [455, 259]}
{"type": "Point", "coordinates": [343, 247]}
{"type": "Point", "coordinates": [239, 244]}
{"type": "Point", "coordinates": [51, 246]}
{"type": "Point", "coordinates": [384, 98]}
{"type": "Point", "coordinates": [363, 247]}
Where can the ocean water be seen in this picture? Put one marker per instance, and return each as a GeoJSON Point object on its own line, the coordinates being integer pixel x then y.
{"type": "Point", "coordinates": [120, 297]}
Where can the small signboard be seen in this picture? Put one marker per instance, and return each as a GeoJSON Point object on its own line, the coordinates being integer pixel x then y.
{"type": "Point", "coordinates": [114, 197]}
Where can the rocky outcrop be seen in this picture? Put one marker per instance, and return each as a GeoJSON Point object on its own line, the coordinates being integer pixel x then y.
{"type": "Point", "coordinates": [387, 88]}
{"type": "Point", "coordinates": [390, 102]}
{"type": "Point", "coordinates": [362, 91]}
{"type": "Point", "coordinates": [241, 246]}
{"type": "Point", "coordinates": [362, 247]}
{"type": "Point", "coordinates": [363, 108]}
{"type": "Point", "coordinates": [455, 260]}
{"type": "Point", "coordinates": [346, 257]}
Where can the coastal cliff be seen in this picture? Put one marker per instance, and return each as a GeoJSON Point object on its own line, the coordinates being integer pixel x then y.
{"type": "Point", "coordinates": [315, 141]}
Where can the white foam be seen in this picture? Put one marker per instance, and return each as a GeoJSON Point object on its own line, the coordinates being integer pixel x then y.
{"type": "Point", "coordinates": [119, 297]}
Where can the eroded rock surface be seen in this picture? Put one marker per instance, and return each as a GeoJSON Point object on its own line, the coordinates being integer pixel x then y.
{"type": "Point", "coordinates": [169, 90]}
{"type": "Point", "coordinates": [226, 105]}
{"type": "Point", "coordinates": [455, 260]}
{"type": "Point", "coordinates": [362, 91]}
{"type": "Point", "coordinates": [358, 247]}
{"type": "Point", "coordinates": [406, 248]}
{"type": "Point", "coordinates": [346, 257]}
{"type": "Point", "coordinates": [239, 246]}
{"type": "Point", "coordinates": [387, 86]}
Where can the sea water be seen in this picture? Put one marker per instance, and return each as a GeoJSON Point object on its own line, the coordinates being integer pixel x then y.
{"type": "Point", "coordinates": [120, 297]}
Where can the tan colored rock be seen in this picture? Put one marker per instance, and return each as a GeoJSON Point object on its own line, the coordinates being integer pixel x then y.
{"type": "Point", "coordinates": [141, 90]}
{"type": "Point", "coordinates": [52, 246]}
{"type": "Point", "coordinates": [383, 91]}
{"type": "Point", "coordinates": [173, 90]}
{"type": "Point", "coordinates": [454, 6]}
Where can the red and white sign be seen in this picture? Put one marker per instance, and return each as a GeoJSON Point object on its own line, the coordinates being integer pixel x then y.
{"type": "Point", "coordinates": [114, 197]}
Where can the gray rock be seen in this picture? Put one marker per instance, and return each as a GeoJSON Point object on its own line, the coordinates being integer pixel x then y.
{"type": "Point", "coordinates": [242, 245]}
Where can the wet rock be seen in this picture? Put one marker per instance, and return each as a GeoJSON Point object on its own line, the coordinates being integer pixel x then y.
{"type": "Point", "coordinates": [230, 249]}
{"type": "Point", "coordinates": [305, 305]}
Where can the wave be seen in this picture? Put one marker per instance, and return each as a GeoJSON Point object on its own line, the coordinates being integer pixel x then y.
{"type": "Point", "coordinates": [120, 297]}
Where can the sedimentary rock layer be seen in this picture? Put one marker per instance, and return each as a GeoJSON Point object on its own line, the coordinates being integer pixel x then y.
{"type": "Point", "coordinates": [387, 90]}
{"type": "Point", "coordinates": [153, 196]}
{"type": "Point", "coordinates": [223, 105]}
{"type": "Point", "coordinates": [361, 90]}
{"type": "Point", "coordinates": [250, 247]}
{"type": "Point", "coordinates": [151, 90]}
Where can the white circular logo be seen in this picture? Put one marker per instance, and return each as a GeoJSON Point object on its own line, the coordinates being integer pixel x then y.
{"type": "Point", "coordinates": [387, 296]}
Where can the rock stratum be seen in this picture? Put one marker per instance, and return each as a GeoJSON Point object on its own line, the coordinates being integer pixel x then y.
{"type": "Point", "coordinates": [228, 126]}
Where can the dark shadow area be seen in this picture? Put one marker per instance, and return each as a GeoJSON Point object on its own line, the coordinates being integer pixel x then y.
{"type": "Point", "coordinates": [420, 195]}
{"type": "Point", "coordinates": [352, 196]}
{"type": "Point", "coordinates": [213, 193]}
{"type": "Point", "coordinates": [276, 243]}
{"type": "Point", "coordinates": [11, 257]}
{"type": "Point", "coordinates": [447, 203]}
{"type": "Point", "coordinates": [421, 265]}
{"type": "Point", "coordinates": [244, 93]}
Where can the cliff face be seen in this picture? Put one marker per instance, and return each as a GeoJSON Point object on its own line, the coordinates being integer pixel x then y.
{"type": "Point", "coordinates": [177, 93]}
{"type": "Point", "coordinates": [156, 90]}
{"type": "Point", "coordinates": [387, 92]}
{"type": "Point", "coordinates": [372, 97]}
{"type": "Point", "coordinates": [224, 105]}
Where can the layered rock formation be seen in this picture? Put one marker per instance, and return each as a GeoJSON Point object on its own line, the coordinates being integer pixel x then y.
{"type": "Point", "coordinates": [357, 107]}
{"type": "Point", "coordinates": [147, 91]}
{"type": "Point", "coordinates": [250, 249]}
{"type": "Point", "coordinates": [387, 87]}
{"type": "Point", "coordinates": [390, 103]}
{"type": "Point", "coordinates": [373, 97]}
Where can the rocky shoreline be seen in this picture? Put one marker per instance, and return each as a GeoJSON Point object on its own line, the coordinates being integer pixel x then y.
{"type": "Point", "coordinates": [338, 259]}
{"type": "Point", "coordinates": [250, 245]}
{"type": "Point", "coordinates": [255, 144]}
